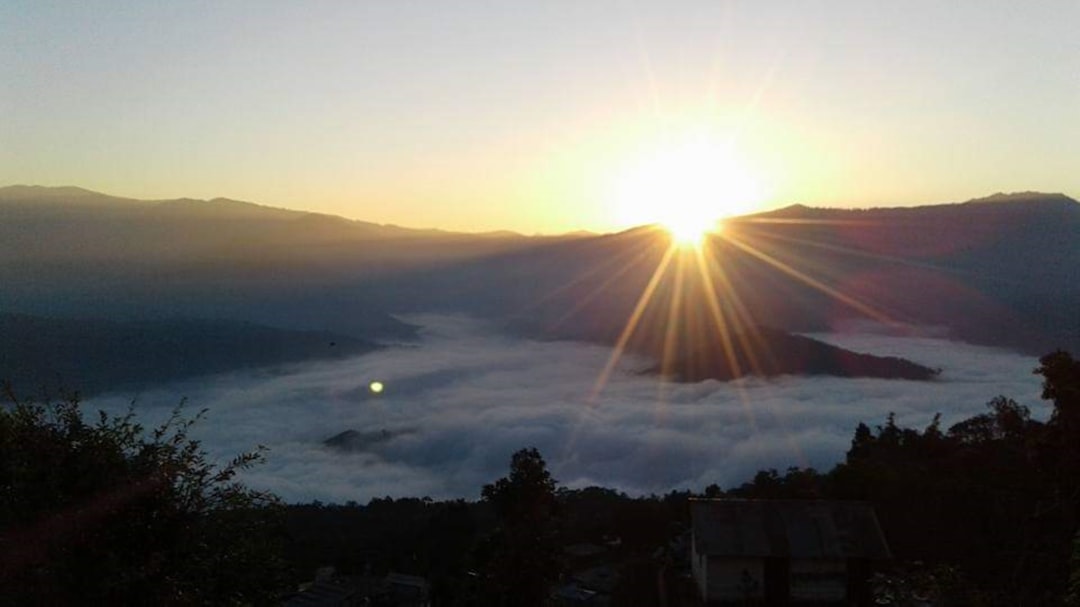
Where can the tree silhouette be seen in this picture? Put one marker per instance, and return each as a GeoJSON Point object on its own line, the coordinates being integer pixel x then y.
{"type": "Point", "coordinates": [1072, 593]}
{"type": "Point", "coordinates": [1061, 384]}
{"type": "Point", "coordinates": [104, 513]}
{"type": "Point", "coordinates": [520, 560]}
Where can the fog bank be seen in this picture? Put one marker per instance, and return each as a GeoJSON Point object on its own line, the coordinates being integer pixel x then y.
{"type": "Point", "coordinates": [456, 405]}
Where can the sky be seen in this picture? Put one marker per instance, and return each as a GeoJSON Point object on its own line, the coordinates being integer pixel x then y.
{"type": "Point", "coordinates": [461, 401]}
{"type": "Point", "coordinates": [479, 115]}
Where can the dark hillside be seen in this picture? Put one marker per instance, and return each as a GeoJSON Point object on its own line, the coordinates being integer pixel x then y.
{"type": "Point", "coordinates": [94, 355]}
{"type": "Point", "coordinates": [71, 252]}
{"type": "Point", "coordinates": [1000, 271]}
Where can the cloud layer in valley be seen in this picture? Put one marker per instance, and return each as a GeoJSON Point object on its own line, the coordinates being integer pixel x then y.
{"type": "Point", "coordinates": [456, 405]}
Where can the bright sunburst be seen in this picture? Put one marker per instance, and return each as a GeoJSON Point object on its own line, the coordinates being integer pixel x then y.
{"type": "Point", "coordinates": [687, 186]}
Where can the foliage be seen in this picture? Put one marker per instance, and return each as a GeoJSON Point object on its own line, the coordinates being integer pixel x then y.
{"type": "Point", "coordinates": [920, 585]}
{"type": "Point", "coordinates": [979, 513]}
{"type": "Point", "coordinates": [1072, 594]}
{"type": "Point", "coordinates": [418, 536]}
{"type": "Point", "coordinates": [1061, 384]}
{"type": "Point", "coordinates": [519, 561]}
{"type": "Point", "coordinates": [527, 495]}
{"type": "Point", "coordinates": [103, 512]}
{"type": "Point", "coordinates": [978, 500]}
{"type": "Point", "coordinates": [990, 504]}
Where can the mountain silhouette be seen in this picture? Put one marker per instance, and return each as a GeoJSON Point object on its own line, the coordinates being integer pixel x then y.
{"type": "Point", "coordinates": [765, 352]}
{"type": "Point", "coordinates": [72, 252]}
{"type": "Point", "coordinates": [93, 355]}
{"type": "Point", "coordinates": [1000, 270]}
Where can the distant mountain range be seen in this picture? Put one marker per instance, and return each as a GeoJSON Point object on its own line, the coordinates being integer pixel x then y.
{"type": "Point", "coordinates": [1002, 270]}
{"type": "Point", "coordinates": [72, 252]}
{"type": "Point", "coordinates": [768, 353]}
{"type": "Point", "coordinates": [91, 356]}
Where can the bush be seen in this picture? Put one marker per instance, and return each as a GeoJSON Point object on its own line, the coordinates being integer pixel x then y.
{"type": "Point", "coordinates": [104, 512]}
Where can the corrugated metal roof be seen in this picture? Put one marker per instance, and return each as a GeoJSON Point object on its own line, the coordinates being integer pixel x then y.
{"type": "Point", "coordinates": [787, 528]}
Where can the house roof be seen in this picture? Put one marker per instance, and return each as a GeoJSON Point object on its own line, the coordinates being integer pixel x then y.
{"type": "Point", "coordinates": [323, 594]}
{"type": "Point", "coordinates": [412, 581]}
{"type": "Point", "coordinates": [786, 528]}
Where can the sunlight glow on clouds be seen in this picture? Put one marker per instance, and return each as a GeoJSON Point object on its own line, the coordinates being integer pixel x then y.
{"type": "Point", "coordinates": [466, 398]}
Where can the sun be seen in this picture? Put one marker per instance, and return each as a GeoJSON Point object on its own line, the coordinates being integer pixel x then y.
{"type": "Point", "coordinates": [687, 186]}
{"type": "Point", "coordinates": [689, 230]}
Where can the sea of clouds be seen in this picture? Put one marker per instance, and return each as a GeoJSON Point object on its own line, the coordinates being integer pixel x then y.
{"type": "Point", "coordinates": [459, 402]}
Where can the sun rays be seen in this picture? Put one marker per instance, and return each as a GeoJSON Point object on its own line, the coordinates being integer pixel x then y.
{"type": "Point", "coordinates": [632, 322]}
{"type": "Point", "coordinates": [705, 307]}
{"type": "Point", "coordinates": [686, 183]}
{"type": "Point", "coordinates": [699, 307]}
{"type": "Point", "coordinates": [696, 299]}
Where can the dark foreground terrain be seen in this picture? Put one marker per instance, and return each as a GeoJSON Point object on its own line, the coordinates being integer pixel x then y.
{"type": "Point", "coordinates": [102, 511]}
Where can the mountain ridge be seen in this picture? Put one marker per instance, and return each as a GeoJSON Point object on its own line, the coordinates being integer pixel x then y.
{"type": "Point", "coordinates": [37, 193]}
{"type": "Point", "coordinates": [999, 272]}
{"type": "Point", "coordinates": [993, 274]}
{"type": "Point", "coordinates": [93, 355]}
{"type": "Point", "coordinates": [1028, 198]}
{"type": "Point", "coordinates": [15, 191]}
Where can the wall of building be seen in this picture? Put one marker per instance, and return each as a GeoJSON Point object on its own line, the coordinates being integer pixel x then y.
{"type": "Point", "coordinates": [735, 579]}
{"type": "Point", "coordinates": [698, 568]}
{"type": "Point", "coordinates": [818, 580]}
